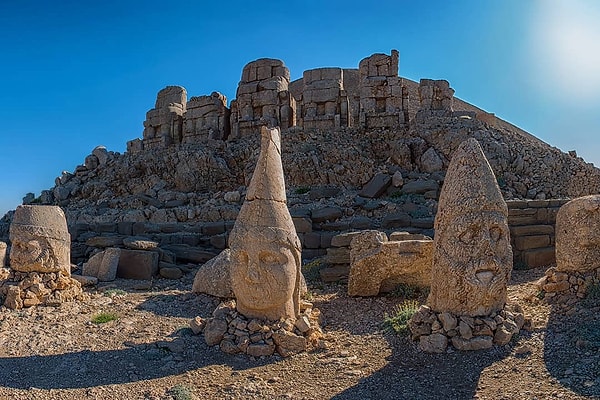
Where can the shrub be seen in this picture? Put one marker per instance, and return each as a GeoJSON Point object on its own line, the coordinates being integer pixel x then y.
{"type": "Point", "coordinates": [398, 320]}
{"type": "Point", "coordinates": [114, 292]}
{"type": "Point", "coordinates": [312, 268]}
{"type": "Point", "coordinates": [181, 392]}
{"type": "Point", "coordinates": [407, 291]}
{"type": "Point", "coordinates": [104, 317]}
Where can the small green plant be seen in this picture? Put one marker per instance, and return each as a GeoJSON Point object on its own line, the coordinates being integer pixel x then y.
{"type": "Point", "coordinates": [407, 291]}
{"type": "Point", "coordinates": [308, 296]}
{"type": "Point", "coordinates": [114, 292]}
{"type": "Point", "coordinates": [181, 392]}
{"type": "Point", "coordinates": [104, 317]}
{"type": "Point", "coordinates": [396, 194]}
{"type": "Point", "coordinates": [302, 190]}
{"type": "Point", "coordinates": [398, 320]}
{"type": "Point", "coordinates": [312, 268]}
{"type": "Point", "coordinates": [541, 294]}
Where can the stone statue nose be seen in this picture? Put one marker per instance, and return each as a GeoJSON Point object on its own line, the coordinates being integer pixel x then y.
{"type": "Point", "coordinates": [253, 272]}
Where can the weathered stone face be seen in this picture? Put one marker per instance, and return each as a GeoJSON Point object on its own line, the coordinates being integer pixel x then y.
{"type": "Point", "coordinates": [265, 250]}
{"type": "Point", "coordinates": [578, 235]}
{"type": "Point", "coordinates": [40, 240]}
{"type": "Point", "coordinates": [264, 275]}
{"type": "Point", "coordinates": [472, 255]}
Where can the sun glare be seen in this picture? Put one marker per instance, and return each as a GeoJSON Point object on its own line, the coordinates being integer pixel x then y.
{"type": "Point", "coordinates": [566, 47]}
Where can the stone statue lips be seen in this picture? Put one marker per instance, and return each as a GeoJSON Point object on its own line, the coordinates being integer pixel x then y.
{"type": "Point", "coordinates": [486, 272]}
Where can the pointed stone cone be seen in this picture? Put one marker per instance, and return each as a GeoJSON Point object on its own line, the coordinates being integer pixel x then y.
{"type": "Point", "coordinates": [265, 204]}
{"type": "Point", "coordinates": [472, 257]}
{"type": "Point", "coordinates": [469, 186]}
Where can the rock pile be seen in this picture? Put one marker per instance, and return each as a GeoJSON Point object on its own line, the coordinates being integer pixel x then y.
{"type": "Point", "coordinates": [436, 330]}
{"type": "Point", "coordinates": [557, 283]}
{"type": "Point", "coordinates": [235, 333]}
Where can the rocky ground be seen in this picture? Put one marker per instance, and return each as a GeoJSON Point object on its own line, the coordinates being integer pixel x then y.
{"type": "Point", "coordinates": [149, 352]}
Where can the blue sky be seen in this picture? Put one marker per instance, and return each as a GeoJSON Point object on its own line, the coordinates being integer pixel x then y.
{"type": "Point", "coordinates": [77, 74]}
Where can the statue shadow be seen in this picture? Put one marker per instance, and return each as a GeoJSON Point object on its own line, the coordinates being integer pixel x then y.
{"type": "Point", "coordinates": [409, 372]}
{"type": "Point", "coordinates": [572, 346]}
{"type": "Point", "coordinates": [139, 362]}
{"type": "Point", "coordinates": [183, 305]}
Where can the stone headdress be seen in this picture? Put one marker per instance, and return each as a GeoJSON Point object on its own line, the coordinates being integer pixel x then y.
{"type": "Point", "coordinates": [40, 221]}
{"type": "Point", "coordinates": [469, 187]}
{"type": "Point", "coordinates": [265, 211]}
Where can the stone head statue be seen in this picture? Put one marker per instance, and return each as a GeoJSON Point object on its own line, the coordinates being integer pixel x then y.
{"type": "Point", "coordinates": [265, 250]}
{"type": "Point", "coordinates": [472, 258]}
{"type": "Point", "coordinates": [40, 240]}
{"type": "Point", "coordinates": [577, 235]}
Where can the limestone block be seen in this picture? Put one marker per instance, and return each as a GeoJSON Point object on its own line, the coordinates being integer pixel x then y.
{"type": "Point", "coordinates": [214, 277]}
{"type": "Point", "coordinates": [376, 186]}
{"type": "Point", "coordinates": [419, 187]}
{"type": "Point", "coordinates": [187, 253]}
{"type": "Point", "coordinates": [326, 214]}
{"type": "Point", "coordinates": [170, 94]}
{"type": "Point", "coordinates": [343, 239]}
{"type": "Point", "coordinates": [396, 220]}
{"type": "Point", "coordinates": [532, 242]}
{"type": "Point", "coordinates": [542, 257]}
{"type": "Point", "coordinates": [303, 225]}
{"type": "Point", "coordinates": [374, 261]}
{"type": "Point", "coordinates": [40, 240]}
{"type": "Point", "coordinates": [338, 255]}
{"type": "Point", "coordinates": [431, 161]}
{"type": "Point", "coordinates": [3, 247]}
{"type": "Point", "coordinates": [137, 264]}
{"type": "Point", "coordinates": [528, 230]}
{"type": "Point", "coordinates": [578, 235]}
{"type": "Point", "coordinates": [472, 258]}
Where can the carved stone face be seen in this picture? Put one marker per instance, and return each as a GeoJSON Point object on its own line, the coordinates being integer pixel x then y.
{"type": "Point", "coordinates": [40, 254]}
{"type": "Point", "coordinates": [474, 254]}
{"type": "Point", "coordinates": [264, 277]}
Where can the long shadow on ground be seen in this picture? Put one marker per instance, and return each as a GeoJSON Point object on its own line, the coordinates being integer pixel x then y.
{"type": "Point", "coordinates": [572, 346]}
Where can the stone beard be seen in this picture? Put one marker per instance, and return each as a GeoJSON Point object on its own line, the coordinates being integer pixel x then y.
{"type": "Point", "coordinates": [32, 252]}
{"type": "Point", "coordinates": [265, 273]}
{"type": "Point", "coordinates": [474, 256]}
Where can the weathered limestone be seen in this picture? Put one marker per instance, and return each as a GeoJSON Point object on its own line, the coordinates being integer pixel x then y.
{"type": "Point", "coordinates": [435, 95]}
{"type": "Point", "coordinates": [164, 123]}
{"type": "Point", "coordinates": [40, 267]}
{"type": "Point", "coordinates": [375, 260]}
{"type": "Point", "coordinates": [2, 254]}
{"type": "Point", "coordinates": [265, 250]}
{"type": "Point", "coordinates": [262, 98]}
{"type": "Point", "coordinates": [206, 117]}
{"type": "Point", "coordinates": [214, 277]}
{"type": "Point", "coordinates": [103, 265]}
{"type": "Point", "coordinates": [40, 240]}
{"type": "Point", "coordinates": [383, 99]}
{"type": "Point", "coordinates": [577, 248]}
{"type": "Point", "coordinates": [472, 259]}
{"type": "Point", "coordinates": [324, 103]}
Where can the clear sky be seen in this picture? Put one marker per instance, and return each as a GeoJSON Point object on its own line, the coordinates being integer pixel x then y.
{"type": "Point", "coordinates": [77, 74]}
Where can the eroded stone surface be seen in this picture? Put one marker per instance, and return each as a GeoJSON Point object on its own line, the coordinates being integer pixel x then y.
{"type": "Point", "coordinates": [374, 259]}
{"type": "Point", "coordinates": [265, 250]}
{"type": "Point", "coordinates": [214, 277]}
{"type": "Point", "coordinates": [472, 257]}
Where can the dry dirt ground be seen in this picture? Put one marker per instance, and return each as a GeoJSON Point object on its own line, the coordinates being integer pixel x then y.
{"type": "Point", "coordinates": [150, 353]}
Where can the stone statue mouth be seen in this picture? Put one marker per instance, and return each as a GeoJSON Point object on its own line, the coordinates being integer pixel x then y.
{"type": "Point", "coordinates": [485, 275]}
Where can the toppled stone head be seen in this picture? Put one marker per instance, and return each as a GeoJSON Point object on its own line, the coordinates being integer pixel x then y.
{"type": "Point", "coordinates": [472, 257]}
{"type": "Point", "coordinates": [265, 250]}
{"type": "Point", "coordinates": [578, 235]}
{"type": "Point", "coordinates": [40, 240]}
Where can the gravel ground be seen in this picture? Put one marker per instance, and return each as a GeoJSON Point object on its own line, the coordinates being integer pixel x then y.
{"type": "Point", "coordinates": [149, 352]}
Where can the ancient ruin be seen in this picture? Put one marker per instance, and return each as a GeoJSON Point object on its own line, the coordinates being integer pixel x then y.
{"type": "Point", "coordinates": [577, 249]}
{"type": "Point", "coordinates": [377, 261]}
{"type": "Point", "coordinates": [472, 258]}
{"type": "Point", "coordinates": [40, 267]}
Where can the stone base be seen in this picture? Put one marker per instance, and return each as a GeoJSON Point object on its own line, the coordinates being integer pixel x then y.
{"type": "Point", "coordinates": [436, 331]}
{"type": "Point", "coordinates": [235, 333]}
{"type": "Point", "coordinates": [567, 283]}
{"type": "Point", "coordinates": [26, 289]}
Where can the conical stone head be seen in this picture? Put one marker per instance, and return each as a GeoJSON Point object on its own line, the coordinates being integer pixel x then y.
{"type": "Point", "coordinates": [472, 258]}
{"type": "Point", "coordinates": [265, 249]}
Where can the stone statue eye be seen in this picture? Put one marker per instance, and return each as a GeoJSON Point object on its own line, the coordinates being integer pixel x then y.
{"type": "Point", "coordinates": [470, 234]}
{"type": "Point", "coordinates": [269, 258]}
{"type": "Point", "coordinates": [244, 257]}
{"type": "Point", "coordinates": [495, 233]}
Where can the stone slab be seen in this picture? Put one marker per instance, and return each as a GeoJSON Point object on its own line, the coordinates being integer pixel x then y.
{"type": "Point", "coordinates": [137, 264]}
